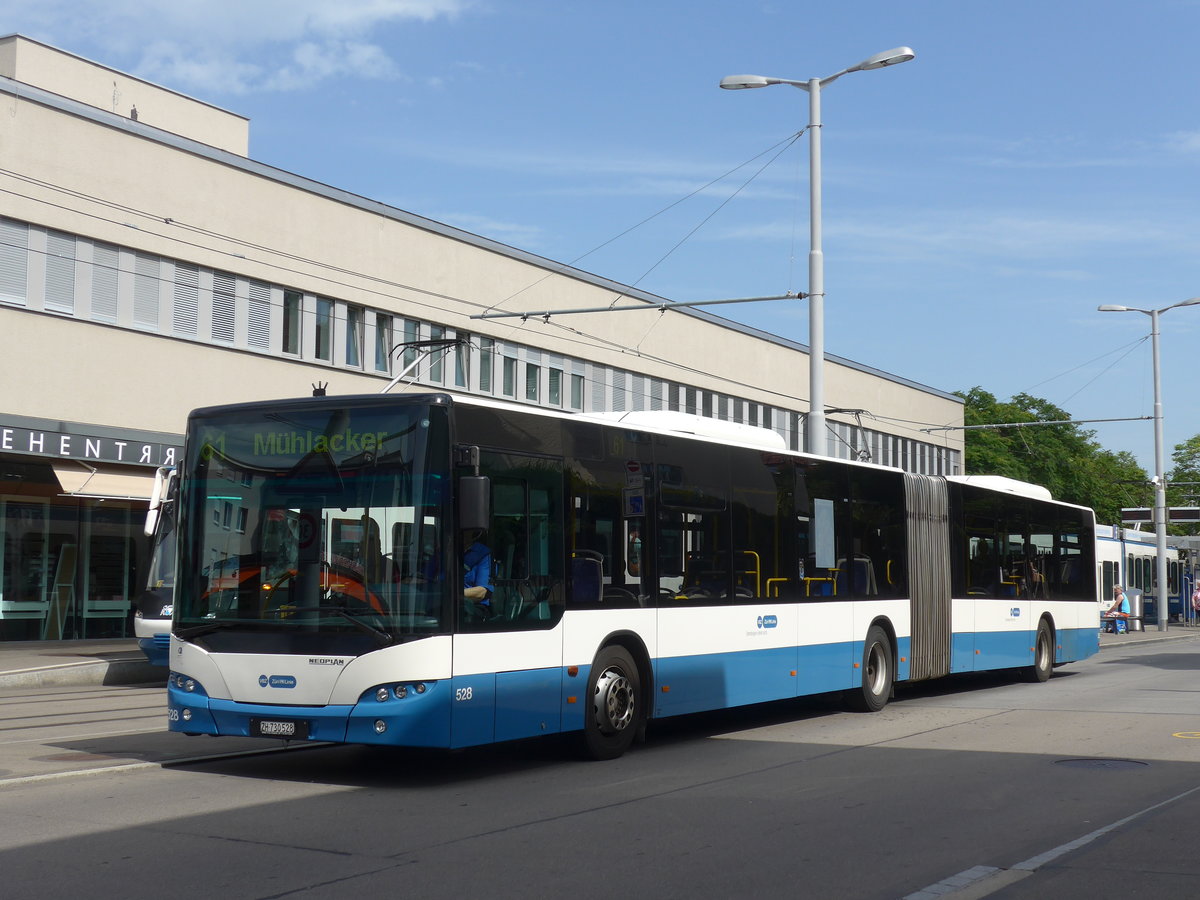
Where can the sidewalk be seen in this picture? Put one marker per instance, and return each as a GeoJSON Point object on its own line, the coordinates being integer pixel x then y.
{"type": "Point", "coordinates": [34, 664]}
{"type": "Point", "coordinates": [1150, 635]}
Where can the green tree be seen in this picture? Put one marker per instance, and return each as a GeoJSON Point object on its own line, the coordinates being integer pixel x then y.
{"type": "Point", "coordinates": [1183, 481]}
{"type": "Point", "coordinates": [1063, 458]}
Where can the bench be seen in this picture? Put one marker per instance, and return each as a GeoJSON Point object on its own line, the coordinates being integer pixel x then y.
{"type": "Point", "coordinates": [1115, 619]}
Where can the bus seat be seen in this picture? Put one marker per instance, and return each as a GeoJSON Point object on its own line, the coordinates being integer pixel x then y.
{"type": "Point", "coordinates": [861, 573]}
{"type": "Point", "coordinates": [587, 578]}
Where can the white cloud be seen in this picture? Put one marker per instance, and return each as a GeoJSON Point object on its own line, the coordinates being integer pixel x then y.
{"type": "Point", "coordinates": [1004, 239]}
{"type": "Point", "coordinates": [1184, 141]}
{"type": "Point", "coordinates": [230, 46]}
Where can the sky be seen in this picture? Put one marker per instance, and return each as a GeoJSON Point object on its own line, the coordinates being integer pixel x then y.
{"type": "Point", "coordinates": [1038, 158]}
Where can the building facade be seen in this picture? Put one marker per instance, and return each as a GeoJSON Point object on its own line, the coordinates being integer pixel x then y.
{"type": "Point", "coordinates": [148, 266]}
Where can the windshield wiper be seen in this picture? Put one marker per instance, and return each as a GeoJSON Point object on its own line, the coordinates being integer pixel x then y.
{"type": "Point", "coordinates": [350, 615]}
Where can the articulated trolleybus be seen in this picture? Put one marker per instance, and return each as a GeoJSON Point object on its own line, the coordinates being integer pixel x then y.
{"type": "Point", "coordinates": [639, 568]}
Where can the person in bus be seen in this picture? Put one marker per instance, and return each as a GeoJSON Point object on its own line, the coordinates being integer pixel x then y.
{"type": "Point", "coordinates": [477, 570]}
{"type": "Point", "coordinates": [1035, 582]}
{"type": "Point", "coordinates": [1118, 612]}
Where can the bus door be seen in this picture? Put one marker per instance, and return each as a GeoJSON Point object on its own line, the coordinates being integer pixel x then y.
{"type": "Point", "coordinates": [508, 653]}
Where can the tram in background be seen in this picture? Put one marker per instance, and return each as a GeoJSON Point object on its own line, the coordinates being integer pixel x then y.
{"type": "Point", "coordinates": [1128, 557]}
{"type": "Point", "coordinates": [641, 566]}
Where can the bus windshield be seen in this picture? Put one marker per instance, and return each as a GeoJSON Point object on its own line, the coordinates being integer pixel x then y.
{"type": "Point", "coordinates": [314, 528]}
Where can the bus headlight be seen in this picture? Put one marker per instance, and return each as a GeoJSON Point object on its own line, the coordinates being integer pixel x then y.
{"type": "Point", "coordinates": [381, 694]}
{"type": "Point", "coordinates": [380, 726]}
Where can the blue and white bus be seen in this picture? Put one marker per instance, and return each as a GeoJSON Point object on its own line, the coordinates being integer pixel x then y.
{"type": "Point", "coordinates": [152, 607]}
{"type": "Point", "coordinates": [641, 566]}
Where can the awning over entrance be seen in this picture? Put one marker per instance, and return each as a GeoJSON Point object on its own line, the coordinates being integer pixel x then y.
{"type": "Point", "coordinates": [104, 482]}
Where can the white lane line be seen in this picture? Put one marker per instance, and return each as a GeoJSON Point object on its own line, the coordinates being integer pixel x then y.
{"type": "Point", "coordinates": [969, 880]}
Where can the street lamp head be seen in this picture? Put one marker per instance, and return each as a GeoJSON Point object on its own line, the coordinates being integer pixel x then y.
{"type": "Point", "coordinates": [1111, 307]}
{"type": "Point", "coordinates": [887, 58]}
{"type": "Point", "coordinates": [743, 82]}
{"type": "Point", "coordinates": [1191, 302]}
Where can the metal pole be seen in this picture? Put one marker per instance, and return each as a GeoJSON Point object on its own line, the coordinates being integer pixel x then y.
{"type": "Point", "coordinates": [1160, 481]}
{"type": "Point", "coordinates": [816, 441]}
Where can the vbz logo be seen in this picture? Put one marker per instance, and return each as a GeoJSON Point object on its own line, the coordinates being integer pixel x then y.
{"type": "Point", "coordinates": [1015, 612]}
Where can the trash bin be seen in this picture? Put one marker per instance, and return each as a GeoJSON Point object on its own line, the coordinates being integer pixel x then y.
{"type": "Point", "coordinates": [1135, 609]}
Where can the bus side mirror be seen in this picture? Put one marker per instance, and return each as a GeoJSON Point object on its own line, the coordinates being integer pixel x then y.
{"type": "Point", "coordinates": [474, 502]}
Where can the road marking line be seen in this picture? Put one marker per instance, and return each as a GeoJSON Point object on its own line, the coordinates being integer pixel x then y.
{"type": "Point", "coordinates": [967, 883]}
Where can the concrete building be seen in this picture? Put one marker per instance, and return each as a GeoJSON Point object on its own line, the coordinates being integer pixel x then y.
{"type": "Point", "coordinates": [148, 266]}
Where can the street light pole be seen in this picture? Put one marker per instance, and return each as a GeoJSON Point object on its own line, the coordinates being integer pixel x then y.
{"type": "Point", "coordinates": [815, 426]}
{"type": "Point", "coordinates": [815, 441]}
{"type": "Point", "coordinates": [1160, 478]}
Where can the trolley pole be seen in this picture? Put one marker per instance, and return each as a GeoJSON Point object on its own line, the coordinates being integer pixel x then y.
{"type": "Point", "coordinates": [1162, 590]}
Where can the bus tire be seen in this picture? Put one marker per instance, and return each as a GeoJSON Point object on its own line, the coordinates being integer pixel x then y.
{"type": "Point", "coordinates": [1043, 655]}
{"type": "Point", "coordinates": [614, 713]}
{"type": "Point", "coordinates": [877, 673]}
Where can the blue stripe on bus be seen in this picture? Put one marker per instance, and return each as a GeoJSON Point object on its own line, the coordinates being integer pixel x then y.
{"type": "Point", "coordinates": [469, 710]}
{"type": "Point", "coordinates": [711, 681]}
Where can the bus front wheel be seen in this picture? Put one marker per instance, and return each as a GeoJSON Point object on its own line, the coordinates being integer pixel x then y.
{"type": "Point", "coordinates": [614, 710]}
{"type": "Point", "coordinates": [876, 687]}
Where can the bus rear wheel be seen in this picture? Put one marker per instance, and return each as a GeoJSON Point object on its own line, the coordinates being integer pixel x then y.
{"type": "Point", "coordinates": [1043, 655]}
{"type": "Point", "coordinates": [877, 673]}
{"type": "Point", "coordinates": [614, 712]}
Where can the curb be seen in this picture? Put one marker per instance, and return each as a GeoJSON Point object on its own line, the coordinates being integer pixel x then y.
{"type": "Point", "coordinates": [1162, 638]}
{"type": "Point", "coordinates": [84, 674]}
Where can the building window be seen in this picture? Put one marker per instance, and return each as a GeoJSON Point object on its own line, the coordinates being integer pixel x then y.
{"type": "Point", "coordinates": [576, 392]}
{"type": "Point", "coordinates": [258, 324]}
{"type": "Point", "coordinates": [533, 375]}
{"type": "Point", "coordinates": [292, 304]}
{"type": "Point", "coordinates": [412, 332]}
{"type": "Point", "coordinates": [187, 299]}
{"type": "Point", "coordinates": [554, 388]}
{"type": "Point", "coordinates": [510, 377]}
{"type": "Point", "coordinates": [638, 392]}
{"type": "Point", "coordinates": [383, 343]}
{"type": "Point", "coordinates": [354, 336]}
{"type": "Point", "coordinates": [14, 258]}
{"type": "Point", "coordinates": [324, 329]}
{"type": "Point", "coordinates": [224, 307]}
{"type": "Point", "coordinates": [462, 360]}
{"type": "Point", "coordinates": [60, 272]}
{"type": "Point", "coordinates": [487, 356]}
{"type": "Point", "coordinates": [437, 355]}
{"type": "Point", "coordinates": [145, 290]}
{"type": "Point", "coordinates": [618, 390]}
{"type": "Point", "coordinates": [599, 388]}
{"type": "Point", "coordinates": [106, 260]}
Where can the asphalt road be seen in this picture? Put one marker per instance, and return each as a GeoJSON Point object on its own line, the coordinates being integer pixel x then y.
{"type": "Point", "coordinates": [1087, 786]}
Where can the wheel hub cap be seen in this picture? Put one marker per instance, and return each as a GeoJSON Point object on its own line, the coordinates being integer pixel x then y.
{"type": "Point", "coordinates": [614, 701]}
